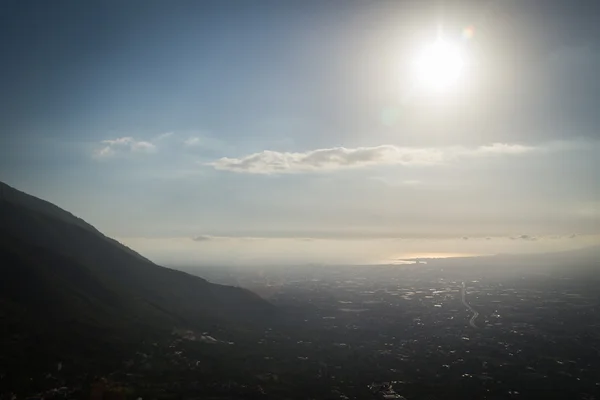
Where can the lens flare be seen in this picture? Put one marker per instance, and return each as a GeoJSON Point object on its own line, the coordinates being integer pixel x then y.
{"type": "Point", "coordinates": [468, 33]}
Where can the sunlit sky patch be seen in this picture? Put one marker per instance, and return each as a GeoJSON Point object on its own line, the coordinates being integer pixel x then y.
{"type": "Point", "coordinates": [159, 122]}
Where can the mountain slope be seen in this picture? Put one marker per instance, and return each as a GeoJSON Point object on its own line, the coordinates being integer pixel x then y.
{"type": "Point", "coordinates": [60, 276]}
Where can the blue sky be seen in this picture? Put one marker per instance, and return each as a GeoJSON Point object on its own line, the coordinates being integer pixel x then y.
{"type": "Point", "coordinates": [289, 131]}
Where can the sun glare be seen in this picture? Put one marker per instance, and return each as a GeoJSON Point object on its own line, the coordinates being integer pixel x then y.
{"type": "Point", "coordinates": [438, 66]}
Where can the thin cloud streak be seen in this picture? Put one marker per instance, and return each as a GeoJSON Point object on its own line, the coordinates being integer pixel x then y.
{"type": "Point", "coordinates": [524, 237]}
{"type": "Point", "coordinates": [274, 162]}
{"type": "Point", "coordinates": [353, 236]}
{"type": "Point", "coordinates": [112, 147]}
{"type": "Point", "coordinates": [203, 238]}
{"type": "Point", "coordinates": [192, 141]}
{"type": "Point", "coordinates": [163, 136]}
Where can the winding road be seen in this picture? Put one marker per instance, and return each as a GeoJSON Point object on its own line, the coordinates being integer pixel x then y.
{"type": "Point", "coordinates": [463, 293]}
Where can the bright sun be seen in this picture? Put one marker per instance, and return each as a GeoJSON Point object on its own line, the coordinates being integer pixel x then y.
{"type": "Point", "coordinates": [439, 65]}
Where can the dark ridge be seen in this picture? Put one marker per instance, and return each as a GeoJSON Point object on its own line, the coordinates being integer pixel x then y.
{"type": "Point", "coordinates": [65, 288]}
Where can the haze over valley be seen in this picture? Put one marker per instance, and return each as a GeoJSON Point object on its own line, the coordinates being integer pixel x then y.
{"type": "Point", "coordinates": [344, 199]}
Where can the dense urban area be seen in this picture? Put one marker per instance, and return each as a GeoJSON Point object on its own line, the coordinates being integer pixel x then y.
{"type": "Point", "coordinates": [380, 332]}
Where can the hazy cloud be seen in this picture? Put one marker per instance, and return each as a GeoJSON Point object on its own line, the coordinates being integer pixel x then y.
{"type": "Point", "coordinates": [106, 151]}
{"type": "Point", "coordinates": [145, 147]}
{"type": "Point", "coordinates": [396, 182]}
{"type": "Point", "coordinates": [203, 238]}
{"type": "Point", "coordinates": [163, 136]}
{"type": "Point", "coordinates": [203, 141]}
{"type": "Point", "coordinates": [250, 251]}
{"type": "Point", "coordinates": [225, 238]}
{"type": "Point", "coordinates": [589, 210]}
{"type": "Point", "coordinates": [192, 141]}
{"type": "Point", "coordinates": [274, 162]}
{"type": "Point", "coordinates": [111, 147]}
{"type": "Point", "coordinates": [502, 148]}
{"type": "Point", "coordinates": [524, 237]}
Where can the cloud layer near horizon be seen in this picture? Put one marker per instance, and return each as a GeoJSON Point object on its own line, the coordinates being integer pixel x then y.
{"type": "Point", "coordinates": [275, 162]}
{"type": "Point", "coordinates": [257, 251]}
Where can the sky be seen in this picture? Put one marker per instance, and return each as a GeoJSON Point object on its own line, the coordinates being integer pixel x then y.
{"type": "Point", "coordinates": [266, 132]}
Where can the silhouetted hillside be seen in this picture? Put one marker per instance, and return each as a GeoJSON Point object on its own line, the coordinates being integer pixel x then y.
{"type": "Point", "coordinates": [62, 279]}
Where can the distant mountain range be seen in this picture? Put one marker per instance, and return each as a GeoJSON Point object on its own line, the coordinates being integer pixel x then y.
{"type": "Point", "coordinates": [65, 286]}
